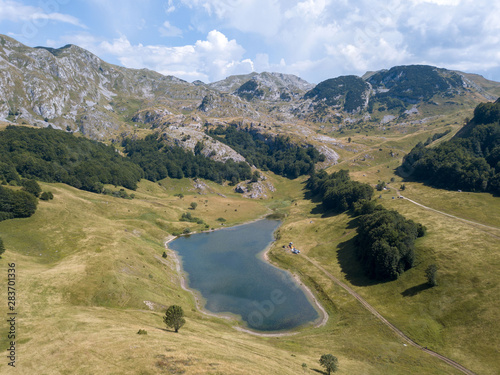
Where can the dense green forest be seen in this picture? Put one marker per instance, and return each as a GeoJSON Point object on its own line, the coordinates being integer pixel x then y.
{"type": "Point", "coordinates": [55, 156]}
{"type": "Point", "coordinates": [385, 244]}
{"type": "Point", "coordinates": [158, 161]}
{"type": "Point", "coordinates": [337, 191]}
{"type": "Point", "coordinates": [470, 161]}
{"type": "Point", "coordinates": [16, 203]}
{"type": "Point", "coordinates": [277, 154]}
{"type": "Point", "coordinates": [385, 240]}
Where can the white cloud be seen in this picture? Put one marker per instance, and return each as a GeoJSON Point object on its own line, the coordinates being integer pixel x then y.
{"type": "Point", "coordinates": [438, 2]}
{"type": "Point", "coordinates": [168, 30]}
{"type": "Point", "coordinates": [15, 11]}
{"type": "Point", "coordinates": [349, 37]}
{"type": "Point", "coordinates": [169, 7]}
{"type": "Point", "coordinates": [261, 17]}
{"type": "Point", "coordinates": [311, 9]}
{"type": "Point", "coordinates": [209, 60]}
{"type": "Point", "coordinates": [316, 39]}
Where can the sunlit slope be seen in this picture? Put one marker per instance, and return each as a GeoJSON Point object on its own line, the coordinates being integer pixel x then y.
{"type": "Point", "coordinates": [90, 274]}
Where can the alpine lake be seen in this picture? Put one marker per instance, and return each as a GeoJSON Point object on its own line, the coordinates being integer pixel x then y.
{"type": "Point", "coordinates": [226, 268]}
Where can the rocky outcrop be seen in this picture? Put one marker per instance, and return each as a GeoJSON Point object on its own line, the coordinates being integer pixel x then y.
{"type": "Point", "coordinates": [261, 189]}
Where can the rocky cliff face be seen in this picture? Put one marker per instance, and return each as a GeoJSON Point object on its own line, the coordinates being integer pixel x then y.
{"type": "Point", "coordinates": [71, 88]}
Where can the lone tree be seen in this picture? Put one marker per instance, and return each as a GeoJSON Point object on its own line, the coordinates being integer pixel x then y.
{"type": "Point", "coordinates": [174, 317]}
{"type": "Point", "coordinates": [194, 205]}
{"type": "Point", "coordinates": [431, 274]}
{"type": "Point", "coordinates": [329, 362]}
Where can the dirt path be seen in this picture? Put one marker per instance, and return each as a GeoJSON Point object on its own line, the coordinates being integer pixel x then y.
{"type": "Point", "coordinates": [482, 227]}
{"type": "Point", "coordinates": [385, 321]}
{"type": "Point", "coordinates": [455, 217]}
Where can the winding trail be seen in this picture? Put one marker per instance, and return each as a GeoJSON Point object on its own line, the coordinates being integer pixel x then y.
{"type": "Point", "coordinates": [475, 223]}
{"type": "Point", "coordinates": [372, 310]}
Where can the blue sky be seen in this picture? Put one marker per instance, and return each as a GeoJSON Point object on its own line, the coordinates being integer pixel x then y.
{"type": "Point", "coordinates": [314, 39]}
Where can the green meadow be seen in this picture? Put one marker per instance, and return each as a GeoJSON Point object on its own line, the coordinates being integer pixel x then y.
{"type": "Point", "coordinates": [90, 274]}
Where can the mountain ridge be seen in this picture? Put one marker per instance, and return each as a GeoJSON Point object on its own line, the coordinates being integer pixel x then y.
{"type": "Point", "coordinates": [72, 89]}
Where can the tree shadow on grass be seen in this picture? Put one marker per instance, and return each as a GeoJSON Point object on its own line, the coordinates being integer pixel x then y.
{"type": "Point", "coordinates": [328, 212]}
{"type": "Point", "coordinates": [168, 330]}
{"type": "Point", "coordinates": [350, 266]}
{"type": "Point", "coordinates": [414, 290]}
{"type": "Point", "coordinates": [318, 371]}
{"type": "Point", "coordinates": [321, 210]}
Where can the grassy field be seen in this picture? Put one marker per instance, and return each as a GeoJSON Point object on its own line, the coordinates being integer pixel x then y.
{"type": "Point", "coordinates": [90, 274]}
{"type": "Point", "coordinates": [458, 317]}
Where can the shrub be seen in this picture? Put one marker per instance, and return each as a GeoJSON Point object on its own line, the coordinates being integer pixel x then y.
{"type": "Point", "coordinates": [431, 274]}
{"type": "Point", "coordinates": [46, 195]}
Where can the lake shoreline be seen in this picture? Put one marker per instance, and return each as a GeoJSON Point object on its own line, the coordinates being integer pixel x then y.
{"type": "Point", "coordinates": [182, 279]}
{"type": "Point", "coordinates": [323, 315]}
{"type": "Point", "coordinates": [263, 255]}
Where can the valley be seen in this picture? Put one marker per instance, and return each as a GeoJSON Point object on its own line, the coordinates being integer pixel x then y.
{"type": "Point", "coordinates": [90, 266]}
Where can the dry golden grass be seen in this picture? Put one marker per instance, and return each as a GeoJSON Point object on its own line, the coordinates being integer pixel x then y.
{"type": "Point", "coordinates": [87, 264]}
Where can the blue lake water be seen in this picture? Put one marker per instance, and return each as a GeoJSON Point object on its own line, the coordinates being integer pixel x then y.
{"type": "Point", "coordinates": [224, 266]}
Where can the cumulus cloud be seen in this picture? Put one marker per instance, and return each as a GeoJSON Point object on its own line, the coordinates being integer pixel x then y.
{"type": "Point", "coordinates": [315, 39]}
{"type": "Point", "coordinates": [11, 10]}
{"type": "Point", "coordinates": [349, 37]}
{"type": "Point", "coordinates": [208, 60]}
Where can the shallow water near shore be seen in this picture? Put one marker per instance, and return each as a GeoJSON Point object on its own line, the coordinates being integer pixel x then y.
{"type": "Point", "coordinates": [225, 267]}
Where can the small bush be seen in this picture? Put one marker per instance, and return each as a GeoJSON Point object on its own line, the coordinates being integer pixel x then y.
{"type": "Point", "coordinates": [46, 195]}
{"type": "Point", "coordinates": [431, 274]}
{"type": "Point", "coordinates": [142, 332]}
{"type": "Point", "coordinates": [192, 219]}
{"type": "Point", "coordinates": [276, 216]}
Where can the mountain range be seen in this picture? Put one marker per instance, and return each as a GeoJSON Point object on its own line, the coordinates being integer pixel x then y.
{"type": "Point", "coordinates": [74, 90]}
